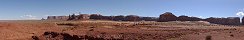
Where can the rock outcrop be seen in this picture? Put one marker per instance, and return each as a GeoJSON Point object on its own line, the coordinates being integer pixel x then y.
{"type": "Point", "coordinates": [51, 17]}
{"type": "Point", "coordinates": [73, 17]}
{"type": "Point", "coordinates": [168, 16]}
{"type": "Point", "coordinates": [148, 18]}
{"type": "Point", "coordinates": [107, 17]}
{"type": "Point", "coordinates": [96, 16]}
{"type": "Point", "coordinates": [224, 21]}
{"type": "Point", "coordinates": [83, 17]}
{"type": "Point", "coordinates": [195, 19]}
{"type": "Point", "coordinates": [57, 17]}
{"type": "Point", "coordinates": [119, 18]}
{"type": "Point", "coordinates": [186, 18]}
{"type": "Point", "coordinates": [234, 21]}
{"type": "Point", "coordinates": [132, 18]}
{"type": "Point", "coordinates": [242, 20]}
{"type": "Point", "coordinates": [62, 17]}
{"type": "Point", "coordinates": [183, 18]}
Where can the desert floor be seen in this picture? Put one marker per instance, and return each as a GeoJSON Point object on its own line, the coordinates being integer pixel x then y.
{"type": "Point", "coordinates": [143, 30]}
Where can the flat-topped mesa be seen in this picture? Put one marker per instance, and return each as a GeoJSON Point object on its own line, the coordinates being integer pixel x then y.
{"type": "Point", "coordinates": [167, 16]}
{"type": "Point", "coordinates": [224, 21]}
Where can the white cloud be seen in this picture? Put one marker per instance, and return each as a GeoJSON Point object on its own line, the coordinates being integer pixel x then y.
{"type": "Point", "coordinates": [240, 13]}
{"type": "Point", "coordinates": [28, 17]}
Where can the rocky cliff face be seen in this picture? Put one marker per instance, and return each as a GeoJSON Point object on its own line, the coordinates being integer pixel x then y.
{"type": "Point", "coordinates": [168, 16]}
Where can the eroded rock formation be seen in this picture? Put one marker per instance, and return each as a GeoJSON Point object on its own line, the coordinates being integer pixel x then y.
{"type": "Point", "coordinates": [83, 17]}
{"type": "Point", "coordinates": [167, 16]}
{"type": "Point", "coordinates": [107, 17]}
{"type": "Point", "coordinates": [119, 18]}
{"type": "Point", "coordinates": [96, 16]}
{"type": "Point", "coordinates": [195, 19]}
{"type": "Point", "coordinates": [183, 18]}
{"type": "Point", "coordinates": [224, 21]}
{"type": "Point", "coordinates": [51, 17]}
{"type": "Point", "coordinates": [242, 20]}
{"type": "Point", "coordinates": [186, 18]}
{"type": "Point", "coordinates": [132, 18]}
{"type": "Point", "coordinates": [148, 18]}
{"type": "Point", "coordinates": [57, 17]}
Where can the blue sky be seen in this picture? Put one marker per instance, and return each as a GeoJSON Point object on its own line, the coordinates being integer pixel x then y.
{"type": "Point", "coordinates": [37, 9]}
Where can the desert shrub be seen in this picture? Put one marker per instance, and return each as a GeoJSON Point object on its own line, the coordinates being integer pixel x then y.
{"type": "Point", "coordinates": [208, 37]}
